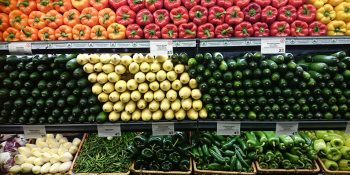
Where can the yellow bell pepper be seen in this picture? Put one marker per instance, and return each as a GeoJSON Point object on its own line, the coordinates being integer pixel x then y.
{"type": "Point", "coordinates": [336, 28]}
{"type": "Point", "coordinates": [335, 2]}
{"type": "Point", "coordinates": [343, 11]}
{"type": "Point", "coordinates": [347, 28]}
{"type": "Point", "coordinates": [325, 14]}
{"type": "Point", "coordinates": [318, 3]}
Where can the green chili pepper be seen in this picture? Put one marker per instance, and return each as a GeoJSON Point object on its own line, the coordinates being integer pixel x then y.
{"type": "Point", "coordinates": [330, 164]}
{"type": "Point", "coordinates": [229, 153]}
{"type": "Point", "coordinates": [287, 141]}
{"type": "Point", "coordinates": [272, 138]}
{"type": "Point", "coordinates": [252, 155]}
{"type": "Point", "coordinates": [217, 157]}
{"type": "Point", "coordinates": [252, 141]}
{"type": "Point", "coordinates": [263, 165]}
{"type": "Point", "coordinates": [214, 166]}
{"type": "Point", "coordinates": [205, 150]}
{"type": "Point", "coordinates": [200, 151]}
{"type": "Point", "coordinates": [286, 164]}
{"type": "Point", "coordinates": [298, 140]}
{"type": "Point", "coordinates": [229, 143]}
{"type": "Point", "coordinates": [195, 153]}
{"type": "Point", "coordinates": [262, 137]}
{"type": "Point", "coordinates": [273, 165]}
{"type": "Point", "coordinates": [239, 165]}
{"type": "Point", "coordinates": [269, 156]}
{"type": "Point", "coordinates": [241, 160]}
{"type": "Point", "coordinates": [240, 151]}
{"type": "Point", "coordinates": [296, 150]}
{"type": "Point", "coordinates": [233, 163]}
{"type": "Point", "coordinates": [242, 144]}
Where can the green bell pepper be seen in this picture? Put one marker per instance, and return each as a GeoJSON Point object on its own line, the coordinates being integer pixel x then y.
{"type": "Point", "coordinates": [333, 154]}
{"type": "Point", "coordinates": [161, 156]}
{"type": "Point", "coordinates": [174, 157]}
{"type": "Point", "coordinates": [167, 166]}
{"type": "Point", "coordinates": [154, 166]}
{"type": "Point", "coordinates": [345, 151]}
{"type": "Point", "coordinates": [330, 164]}
{"type": "Point", "coordinates": [140, 164]}
{"type": "Point", "coordinates": [168, 144]}
{"type": "Point", "coordinates": [184, 165]}
{"type": "Point", "coordinates": [140, 141]}
{"type": "Point", "coordinates": [155, 142]}
{"type": "Point", "coordinates": [319, 145]}
{"type": "Point", "coordinates": [320, 134]}
{"type": "Point", "coordinates": [147, 153]}
{"type": "Point", "coordinates": [344, 164]}
{"type": "Point", "coordinates": [132, 151]}
{"type": "Point", "coordinates": [337, 142]}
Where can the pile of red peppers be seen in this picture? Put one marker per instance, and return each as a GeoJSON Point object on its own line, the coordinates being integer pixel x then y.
{"type": "Point", "coordinates": [168, 19]}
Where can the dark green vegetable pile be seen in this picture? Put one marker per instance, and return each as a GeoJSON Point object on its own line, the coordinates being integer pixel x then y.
{"type": "Point", "coordinates": [45, 89]}
{"type": "Point", "coordinates": [279, 87]}
{"type": "Point", "coordinates": [161, 153]}
{"type": "Point", "coordinates": [100, 155]}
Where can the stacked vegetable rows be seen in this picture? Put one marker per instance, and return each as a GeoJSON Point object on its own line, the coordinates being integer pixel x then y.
{"type": "Point", "coordinates": [45, 89]}
{"type": "Point", "coordinates": [252, 86]}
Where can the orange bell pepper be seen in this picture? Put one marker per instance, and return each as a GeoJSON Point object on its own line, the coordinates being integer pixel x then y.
{"type": "Point", "coordinates": [1, 39]}
{"type": "Point", "coordinates": [26, 6]}
{"type": "Point", "coordinates": [29, 34]}
{"type": "Point", "coordinates": [11, 34]}
{"type": "Point", "coordinates": [99, 4]}
{"type": "Point", "coordinates": [98, 32]}
{"type": "Point", "coordinates": [53, 19]}
{"type": "Point", "coordinates": [36, 20]}
{"type": "Point", "coordinates": [4, 22]}
{"type": "Point", "coordinates": [106, 17]}
{"type": "Point", "coordinates": [80, 4]}
{"type": "Point", "coordinates": [64, 32]}
{"type": "Point", "coordinates": [46, 34]}
{"type": "Point", "coordinates": [81, 32]}
{"type": "Point", "coordinates": [6, 6]}
{"type": "Point", "coordinates": [89, 17]}
{"type": "Point", "coordinates": [116, 31]}
{"type": "Point", "coordinates": [18, 19]}
{"type": "Point", "coordinates": [44, 5]}
{"type": "Point", "coordinates": [62, 5]}
{"type": "Point", "coordinates": [71, 17]}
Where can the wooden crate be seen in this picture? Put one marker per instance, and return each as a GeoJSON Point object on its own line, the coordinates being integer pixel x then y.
{"type": "Point", "coordinates": [215, 172]}
{"type": "Point", "coordinates": [150, 172]}
{"type": "Point", "coordinates": [285, 171]}
{"type": "Point", "coordinates": [330, 172]}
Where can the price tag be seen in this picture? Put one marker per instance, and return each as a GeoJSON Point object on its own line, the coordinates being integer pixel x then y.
{"type": "Point", "coordinates": [34, 131]}
{"type": "Point", "coordinates": [163, 128]}
{"type": "Point", "coordinates": [347, 129]}
{"type": "Point", "coordinates": [228, 128]}
{"type": "Point", "coordinates": [273, 45]}
{"type": "Point", "coordinates": [20, 48]}
{"type": "Point", "coordinates": [289, 128]}
{"type": "Point", "coordinates": [109, 130]}
{"type": "Point", "coordinates": [161, 47]}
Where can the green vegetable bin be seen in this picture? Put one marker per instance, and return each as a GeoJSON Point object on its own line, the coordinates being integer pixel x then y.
{"type": "Point", "coordinates": [329, 172]}
{"type": "Point", "coordinates": [288, 171]}
{"type": "Point", "coordinates": [151, 172]}
{"type": "Point", "coordinates": [215, 172]}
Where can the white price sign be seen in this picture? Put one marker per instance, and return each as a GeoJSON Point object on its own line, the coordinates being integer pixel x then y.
{"type": "Point", "coordinates": [161, 47]}
{"type": "Point", "coordinates": [228, 128]}
{"type": "Point", "coordinates": [289, 128]}
{"type": "Point", "coordinates": [34, 131]}
{"type": "Point", "coordinates": [109, 130]}
{"type": "Point", "coordinates": [163, 128]}
{"type": "Point", "coordinates": [20, 48]}
{"type": "Point", "coordinates": [273, 45]}
{"type": "Point", "coordinates": [347, 129]}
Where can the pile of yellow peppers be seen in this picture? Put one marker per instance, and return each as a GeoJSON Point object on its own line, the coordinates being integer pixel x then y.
{"type": "Point", "coordinates": [335, 14]}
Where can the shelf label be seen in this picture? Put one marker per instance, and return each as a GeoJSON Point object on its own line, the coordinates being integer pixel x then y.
{"type": "Point", "coordinates": [163, 128]}
{"type": "Point", "coordinates": [34, 131]}
{"type": "Point", "coordinates": [109, 130]}
{"type": "Point", "coordinates": [20, 48]}
{"type": "Point", "coordinates": [287, 128]}
{"type": "Point", "coordinates": [161, 47]}
{"type": "Point", "coordinates": [347, 129]}
{"type": "Point", "coordinates": [273, 45]}
{"type": "Point", "coordinates": [228, 128]}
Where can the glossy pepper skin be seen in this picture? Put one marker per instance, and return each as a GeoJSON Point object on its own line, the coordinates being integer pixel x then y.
{"type": "Point", "coordinates": [136, 5]}
{"type": "Point", "coordinates": [153, 5]}
{"type": "Point", "coordinates": [171, 4]}
{"type": "Point", "coordinates": [223, 31]}
{"type": "Point", "coordinates": [198, 15]}
{"type": "Point", "coordinates": [47, 34]}
{"type": "Point", "coordinates": [64, 32]}
{"type": "Point", "coordinates": [8, 6]}
{"type": "Point", "coordinates": [216, 15]}
{"type": "Point", "coordinates": [116, 31]}
{"type": "Point", "coordinates": [35, 19]}
{"type": "Point", "coordinates": [46, 5]}
{"type": "Point", "coordinates": [278, 3]}
{"type": "Point", "coordinates": [179, 15]}
{"type": "Point", "coordinates": [29, 34]}
{"type": "Point", "coordinates": [169, 31]}
{"type": "Point", "coordinates": [234, 15]}
{"type": "Point", "coordinates": [241, 3]}
{"type": "Point", "coordinates": [125, 16]}
{"type": "Point", "coordinates": [106, 17]}
{"type": "Point", "coordinates": [4, 21]}
{"type": "Point", "coordinates": [134, 31]}
{"type": "Point", "coordinates": [325, 14]}
{"type": "Point", "coordinates": [224, 3]}
{"type": "Point", "coordinates": [115, 4]}
{"type": "Point", "coordinates": [252, 13]}
{"type": "Point", "coordinates": [343, 12]}
{"type": "Point", "coordinates": [299, 28]}
{"type": "Point", "coordinates": [336, 28]}
{"type": "Point", "coordinates": [152, 31]}
{"type": "Point", "coordinates": [206, 31]}
{"type": "Point", "coordinates": [189, 4]}
{"type": "Point", "coordinates": [11, 34]}
{"type": "Point", "coordinates": [71, 17]}
{"type": "Point", "coordinates": [287, 13]}
{"type": "Point", "coordinates": [244, 29]}
{"type": "Point", "coordinates": [18, 19]}
{"type": "Point", "coordinates": [306, 13]}
{"type": "Point", "coordinates": [296, 3]}
{"type": "Point", "coordinates": [27, 6]}
{"type": "Point", "coordinates": [98, 32]}
{"type": "Point", "coordinates": [269, 14]}
{"type": "Point", "coordinates": [161, 17]}
{"type": "Point", "coordinates": [261, 29]}
{"type": "Point", "coordinates": [334, 3]}
{"type": "Point", "coordinates": [144, 17]}
{"type": "Point", "coordinates": [208, 3]}
{"type": "Point", "coordinates": [187, 30]}
{"type": "Point", "coordinates": [317, 28]}
{"type": "Point", "coordinates": [280, 28]}
{"type": "Point", "coordinates": [262, 3]}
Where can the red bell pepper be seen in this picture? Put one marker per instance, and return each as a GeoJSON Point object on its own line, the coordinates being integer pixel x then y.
{"type": "Point", "coordinates": [153, 5]}
{"type": "Point", "coordinates": [206, 31]}
{"type": "Point", "coordinates": [144, 17]}
{"type": "Point", "coordinates": [216, 15]}
{"type": "Point", "coordinates": [117, 3]}
{"type": "Point", "coordinates": [224, 3]}
{"type": "Point", "coordinates": [125, 16]}
{"type": "Point", "coordinates": [234, 15]}
{"type": "Point", "coordinates": [223, 31]}
{"type": "Point", "coordinates": [241, 3]}
{"type": "Point", "coordinates": [134, 31]}
{"type": "Point", "coordinates": [199, 15]}
{"type": "Point", "coordinates": [169, 31]}
{"type": "Point", "coordinates": [179, 15]}
{"type": "Point", "coordinates": [280, 28]}
{"type": "Point", "coordinates": [279, 3]}
{"type": "Point", "coordinates": [189, 4]}
{"type": "Point", "coordinates": [161, 17]}
{"type": "Point", "coordinates": [261, 29]}
{"type": "Point", "coordinates": [171, 4]}
{"type": "Point", "coordinates": [187, 30]}
{"type": "Point", "coordinates": [208, 3]}
{"type": "Point", "coordinates": [244, 29]}
{"type": "Point", "coordinates": [136, 5]}
{"type": "Point", "coordinates": [317, 28]}
{"type": "Point", "coordinates": [269, 14]}
{"type": "Point", "coordinates": [152, 31]}
{"type": "Point", "coordinates": [252, 13]}
{"type": "Point", "coordinates": [263, 3]}
{"type": "Point", "coordinates": [287, 13]}
{"type": "Point", "coordinates": [307, 13]}
{"type": "Point", "coordinates": [299, 28]}
{"type": "Point", "coordinates": [296, 3]}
